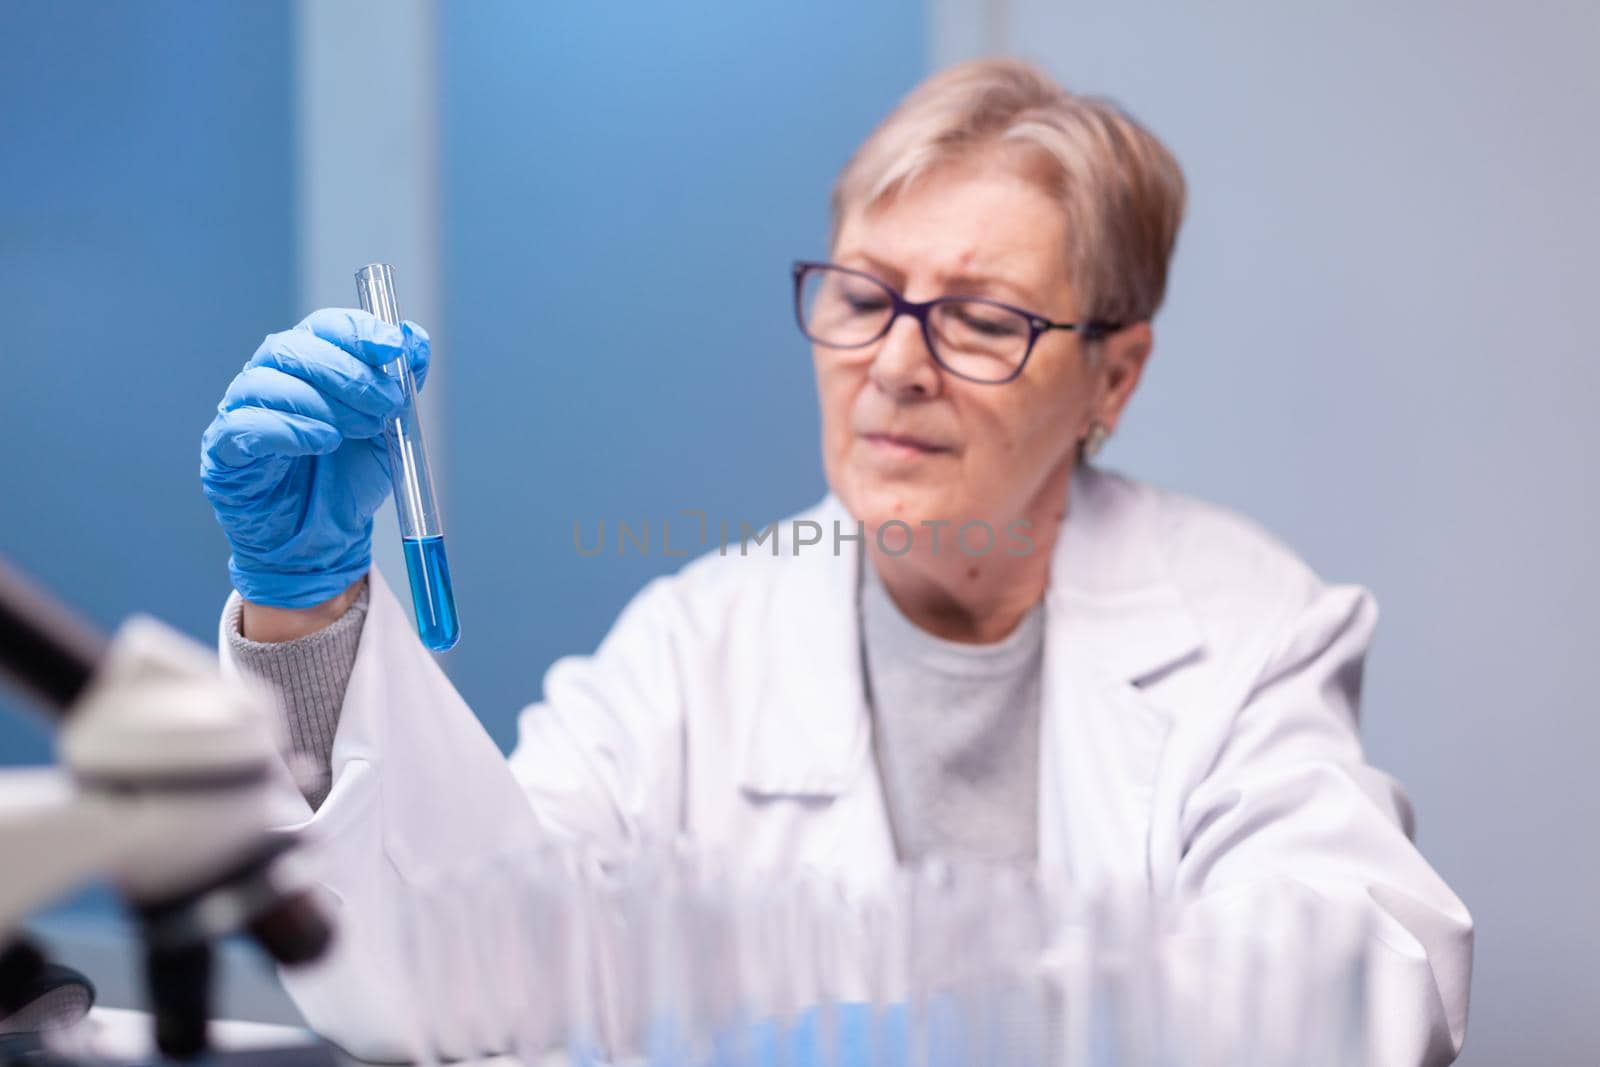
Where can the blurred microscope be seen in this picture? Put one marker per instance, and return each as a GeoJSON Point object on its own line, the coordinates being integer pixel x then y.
{"type": "Point", "coordinates": [163, 789]}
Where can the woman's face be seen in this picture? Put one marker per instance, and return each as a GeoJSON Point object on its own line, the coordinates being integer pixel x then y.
{"type": "Point", "coordinates": [904, 439]}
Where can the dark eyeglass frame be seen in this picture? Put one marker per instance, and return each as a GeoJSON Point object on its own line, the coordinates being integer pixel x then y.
{"type": "Point", "coordinates": [1038, 325]}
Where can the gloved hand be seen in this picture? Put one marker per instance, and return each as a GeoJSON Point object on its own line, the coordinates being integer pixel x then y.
{"type": "Point", "coordinates": [295, 465]}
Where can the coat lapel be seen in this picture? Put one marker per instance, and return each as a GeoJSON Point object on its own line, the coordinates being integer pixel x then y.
{"type": "Point", "coordinates": [1114, 622]}
{"type": "Point", "coordinates": [810, 733]}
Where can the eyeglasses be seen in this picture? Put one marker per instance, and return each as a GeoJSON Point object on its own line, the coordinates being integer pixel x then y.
{"type": "Point", "coordinates": [972, 337]}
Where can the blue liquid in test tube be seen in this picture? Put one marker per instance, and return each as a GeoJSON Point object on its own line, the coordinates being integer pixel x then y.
{"type": "Point", "coordinates": [423, 541]}
{"type": "Point", "coordinates": [431, 595]}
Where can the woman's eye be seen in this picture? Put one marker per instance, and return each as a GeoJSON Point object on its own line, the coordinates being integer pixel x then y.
{"type": "Point", "coordinates": [988, 323]}
{"type": "Point", "coordinates": [866, 302]}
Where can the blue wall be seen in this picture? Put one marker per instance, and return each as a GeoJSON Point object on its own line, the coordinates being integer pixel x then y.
{"type": "Point", "coordinates": [622, 197]}
{"type": "Point", "coordinates": [146, 245]}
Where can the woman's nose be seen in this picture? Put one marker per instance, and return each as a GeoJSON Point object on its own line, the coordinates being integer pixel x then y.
{"type": "Point", "coordinates": [902, 365]}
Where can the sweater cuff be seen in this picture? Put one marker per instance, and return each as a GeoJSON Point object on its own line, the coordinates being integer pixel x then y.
{"type": "Point", "coordinates": [309, 676]}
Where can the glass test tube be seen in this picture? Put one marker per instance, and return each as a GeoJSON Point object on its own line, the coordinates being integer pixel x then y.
{"type": "Point", "coordinates": [421, 537]}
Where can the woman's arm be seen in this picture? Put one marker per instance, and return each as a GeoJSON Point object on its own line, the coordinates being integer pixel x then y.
{"type": "Point", "coordinates": [270, 625]}
{"type": "Point", "coordinates": [418, 788]}
{"type": "Point", "coordinates": [308, 675]}
{"type": "Point", "coordinates": [1291, 808]}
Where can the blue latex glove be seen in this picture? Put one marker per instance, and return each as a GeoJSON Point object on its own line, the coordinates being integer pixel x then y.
{"type": "Point", "coordinates": [294, 464]}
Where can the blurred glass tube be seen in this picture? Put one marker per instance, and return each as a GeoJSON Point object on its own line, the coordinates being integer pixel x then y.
{"type": "Point", "coordinates": [673, 957]}
{"type": "Point", "coordinates": [432, 596]}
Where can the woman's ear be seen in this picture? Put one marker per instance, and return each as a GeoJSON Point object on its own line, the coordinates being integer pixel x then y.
{"type": "Point", "coordinates": [1122, 359]}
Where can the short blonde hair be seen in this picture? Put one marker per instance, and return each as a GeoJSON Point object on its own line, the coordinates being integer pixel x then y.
{"type": "Point", "coordinates": [1121, 189]}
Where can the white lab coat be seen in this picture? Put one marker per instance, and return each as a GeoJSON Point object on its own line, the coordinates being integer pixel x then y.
{"type": "Point", "coordinates": [1199, 736]}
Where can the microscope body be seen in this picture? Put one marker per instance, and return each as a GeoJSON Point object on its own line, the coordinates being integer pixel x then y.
{"type": "Point", "coordinates": [164, 788]}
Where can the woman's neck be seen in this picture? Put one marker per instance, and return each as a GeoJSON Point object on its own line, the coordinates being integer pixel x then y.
{"type": "Point", "coordinates": [971, 598]}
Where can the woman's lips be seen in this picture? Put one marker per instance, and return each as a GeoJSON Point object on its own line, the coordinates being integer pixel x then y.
{"type": "Point", "coordinates": [902, 445]}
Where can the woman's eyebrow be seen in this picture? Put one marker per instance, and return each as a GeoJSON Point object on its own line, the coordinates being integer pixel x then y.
{"type": "Point", "coordinates": [989, 285]}
{"type": "Point", "coordinates": [873, 265]}
{"type": "Point", "coordinates": [961, 284]}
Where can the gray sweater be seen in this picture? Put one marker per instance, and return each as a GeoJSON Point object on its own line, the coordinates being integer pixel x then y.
{"type": "Point", "coordinates": [309, 674]}
{"type": "Point", "coordinates": [955, 728]}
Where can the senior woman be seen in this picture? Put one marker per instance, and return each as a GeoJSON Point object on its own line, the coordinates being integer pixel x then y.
{"type": "Point", "coordinates": [977, 645]}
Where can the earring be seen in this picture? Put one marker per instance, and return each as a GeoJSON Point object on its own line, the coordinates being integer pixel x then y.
{"type": "Point", "coordinates": [1095, 440]}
